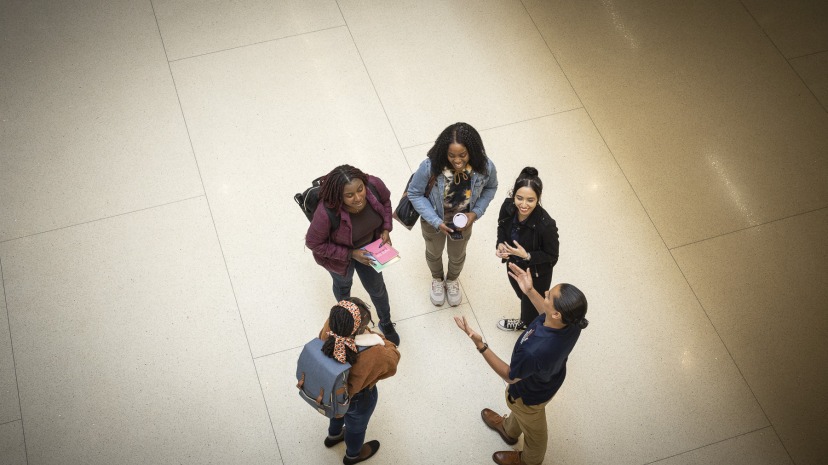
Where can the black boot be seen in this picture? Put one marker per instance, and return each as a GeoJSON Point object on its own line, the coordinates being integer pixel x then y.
{"type": "Point", "coordinates": [390, 333]}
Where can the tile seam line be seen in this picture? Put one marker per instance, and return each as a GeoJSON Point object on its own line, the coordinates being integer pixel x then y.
{"type": "Point", "coordinates": [597, 130]}
{"type": "Point", "coordinates": [512, 123]}
{"type": "Point", "coordinates": [218, 238]}
{"type": "Point", "coordinates": [776, 47]}
{"type": "Point", "coordinates": [730, 354]}
{"type": "Point", "coordinates": [675, 262]}
{"type": "Point", "coordinates": [373, 86]}
{"type": "Point", "coordinates": [808, 55]}
{"type": "Point", "coordinates": [11, 421]}
{"type": "Point", "coordinates": [402, 319]}
{"type": "Point", "coordinates": [276, 39]}
{"type": "Point", "coordinates": [103, 218]}
{"type": "Point", "coordinates": [710, 444]}
{"type": "Point", "coordinates": [14, 363]}
{"type": "Point", "coordinates": [746, 228]}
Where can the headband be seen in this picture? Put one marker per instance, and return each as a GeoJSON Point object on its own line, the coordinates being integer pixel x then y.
{"type": "Point", "coordinates": [341, 342]}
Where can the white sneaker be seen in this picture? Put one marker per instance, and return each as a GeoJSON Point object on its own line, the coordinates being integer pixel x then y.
{"type": "Point", "coordinates": [438, 292]}
{"type": "Point", "coordinates": [453, 289]}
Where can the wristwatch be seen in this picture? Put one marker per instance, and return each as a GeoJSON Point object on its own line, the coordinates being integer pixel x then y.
{"type": "Point", "coordinates": [484, 348]}
{"type": "Point", "coordinates": [528, 256]}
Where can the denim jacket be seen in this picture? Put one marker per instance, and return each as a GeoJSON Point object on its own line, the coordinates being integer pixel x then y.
{"type": "Point", "coordinates": [431, 208]}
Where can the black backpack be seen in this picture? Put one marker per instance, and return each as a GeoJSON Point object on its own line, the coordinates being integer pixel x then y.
{"type": "Point", "coordinates": [309, 199]}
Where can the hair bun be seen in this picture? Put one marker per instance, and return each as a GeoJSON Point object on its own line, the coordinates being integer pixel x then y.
{"type": "Point", "coordinates": [529, 171]}
{"type": "Point", "coordinates": [583, 323]}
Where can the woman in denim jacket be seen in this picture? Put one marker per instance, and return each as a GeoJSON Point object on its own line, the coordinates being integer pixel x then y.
{"type": "Point", "coordinates": [457, 179]}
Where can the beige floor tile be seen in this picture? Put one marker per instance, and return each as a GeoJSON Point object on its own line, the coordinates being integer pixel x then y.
{"type": "Point", "coordinates": [9, 402]}
{"type": "Point", "coordinates": [129, 345]}
{"type": "Point", "coordinates": [814, 71]}
{"type": "Point", "coordinates": [428, 413]}
{"type": "Point", "coordinates": [12, 446]}
{"type": "Point", "coordinates": [797, 27]}
{"type": "Point", "coordinates": [91, 122]}
{"type": "Point", "coordinates": [764, 290]}
{"type": "Point", "coordinates": [437, 62]}
{"type": "Point", "coordinates": [710, 124]}
{"type": "Point", "coordinates": [193, 28]}
{"type": "Point", "coordinates": [758, 448]}
{"type": "Point", "coordinates": [649, 376]}
{"type": "Point", "coordinates": [290, 111]}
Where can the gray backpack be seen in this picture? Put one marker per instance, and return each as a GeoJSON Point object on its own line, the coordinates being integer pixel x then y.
{"type": "Point", "coordinates": [323, 381]}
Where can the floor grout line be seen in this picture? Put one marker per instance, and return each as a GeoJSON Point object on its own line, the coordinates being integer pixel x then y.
{"type": "Point", "coordinates": [807, 54]}
{"type": "Point", "coordinates": [245, 45]}
{"type": "Point", "coordinates": [14, 361]}
{"type": "Point", "coordinates": [218, 238]}
{"type": "Point", "coordinates": [765, 33]}
{"type": "Point", "coordinates": [373, 86]}
{"type": "Point", "coordinates": [712, 444]}
{"type": "Point", "coordinates": [746, 228]}
{"type": "Point", "coordinates": [104, 218]}
{"type": "Point", "coordinates": [664, 243]}
{"type": "Point", "coordinates": [512, 123]}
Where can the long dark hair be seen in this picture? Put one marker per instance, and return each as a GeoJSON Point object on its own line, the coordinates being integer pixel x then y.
{"type": "Point", "coordinates": [572, 305]}
{"type": "Point", "coordinates": [528, 177]}
{"type": "Point", "coordinates": [334, 183]}
{"type": "Point", "coordinates": [465, 135]}
{"type": "Point", "coordinates": [341, 322]}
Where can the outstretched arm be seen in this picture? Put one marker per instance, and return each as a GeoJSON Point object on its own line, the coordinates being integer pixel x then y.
{"type": "Point", "coordinates": [524, 280]}
{"type": "Point", "coordinates": [499, 366]}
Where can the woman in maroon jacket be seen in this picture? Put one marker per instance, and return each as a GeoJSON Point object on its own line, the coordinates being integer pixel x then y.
{"type": "Point", "coordinates": [364, 216]}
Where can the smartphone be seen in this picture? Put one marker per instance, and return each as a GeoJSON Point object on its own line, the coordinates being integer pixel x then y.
{"type": "Point", "coordinates": [456, 235]}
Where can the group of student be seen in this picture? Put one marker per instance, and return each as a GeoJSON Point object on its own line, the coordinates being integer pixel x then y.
{"type": "Point", "coordinates": [456, 178]}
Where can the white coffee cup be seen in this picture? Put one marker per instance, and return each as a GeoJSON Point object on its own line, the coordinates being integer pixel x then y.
{"type": "Point", "coordinates": [460, 220]}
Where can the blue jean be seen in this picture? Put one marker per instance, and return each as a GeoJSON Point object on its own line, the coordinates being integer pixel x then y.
{"type": "Point", "coordinates": [371, 281]}
{"type": "Point", "coordinates": [355, 420]}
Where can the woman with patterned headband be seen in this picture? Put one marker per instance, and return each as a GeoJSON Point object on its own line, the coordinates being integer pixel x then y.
{"type": "Point", "coordinates": [344, 333]}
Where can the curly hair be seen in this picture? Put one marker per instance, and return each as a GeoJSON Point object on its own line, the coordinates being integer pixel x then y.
{"type": "Point", "coordinates": [341, 322]}
{"type": "Point", "coordinates": [463, 134]}
{"type": "Point", "coordinates": [334, 184]}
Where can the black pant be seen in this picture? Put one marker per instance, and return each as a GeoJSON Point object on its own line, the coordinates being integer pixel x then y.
{"type": "Point", "coordinates": [541, 283]}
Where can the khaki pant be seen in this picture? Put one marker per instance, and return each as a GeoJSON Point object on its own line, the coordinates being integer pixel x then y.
{"type": "Point", "coordinates": [531, 421]}
{"type": "Point", "coordinates": [435, 244]}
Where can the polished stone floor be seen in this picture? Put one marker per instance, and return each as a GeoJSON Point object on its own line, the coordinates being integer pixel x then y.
{"type": "Point", "coordinates": [156, 290]}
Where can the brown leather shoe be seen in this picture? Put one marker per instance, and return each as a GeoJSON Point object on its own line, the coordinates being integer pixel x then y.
{"type": "Point", "coordinates": [511, 457]}
{"type": "Point", "coordinates": [495, 422]}
{"type": "Point", "coordinates": [368, 450]}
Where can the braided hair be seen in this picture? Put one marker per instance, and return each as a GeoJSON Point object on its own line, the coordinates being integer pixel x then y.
{"type": "Point", "coordinates": [528, 177]}
{"type": "Point", "coordinates": [334, 184]}
{"type": "Point", "coordinates": [572, 305]}
{"type": "Point", "coordinates": [463, 134]}
{"type": "Point", "coordinates": [341, 323]}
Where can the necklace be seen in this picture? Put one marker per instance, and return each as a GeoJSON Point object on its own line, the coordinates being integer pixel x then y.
{"type": "Point", "coordinates": [460, 176]}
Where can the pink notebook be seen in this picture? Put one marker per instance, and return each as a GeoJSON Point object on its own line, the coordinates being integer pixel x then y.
{"type": "Point", "coordinates": [383, 254]}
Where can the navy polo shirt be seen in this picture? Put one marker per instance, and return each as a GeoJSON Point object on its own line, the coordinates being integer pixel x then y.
{"type": "Point", "coordinates": [539, 360]}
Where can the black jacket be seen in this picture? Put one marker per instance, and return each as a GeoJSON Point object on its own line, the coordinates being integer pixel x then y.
{"type": "Point", "coordinates": [538, 235]}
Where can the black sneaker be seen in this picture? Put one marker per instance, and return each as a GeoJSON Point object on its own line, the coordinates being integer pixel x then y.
{"type": "Point", "coordinates": [511, 324]}
{"type": "Point", "coordinates": [390, 333]}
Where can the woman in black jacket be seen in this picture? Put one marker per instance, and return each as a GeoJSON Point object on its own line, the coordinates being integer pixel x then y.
{"type": "Point", "coordinates": [528, 237]}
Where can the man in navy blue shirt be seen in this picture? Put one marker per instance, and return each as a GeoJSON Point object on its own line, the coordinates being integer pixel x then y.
{"type": "Point", "coordinates": [537, 368]}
